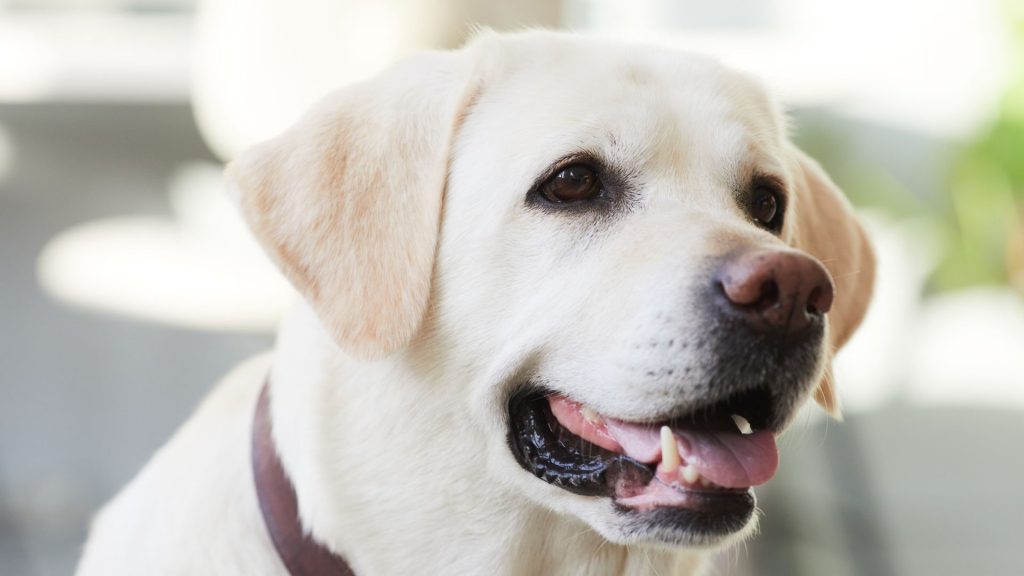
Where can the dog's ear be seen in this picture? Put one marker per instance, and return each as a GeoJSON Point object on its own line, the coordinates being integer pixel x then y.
{"type": "Point", "coordinates": [347, 202]}
{"type": "Point", "coordinates": [826, 227]}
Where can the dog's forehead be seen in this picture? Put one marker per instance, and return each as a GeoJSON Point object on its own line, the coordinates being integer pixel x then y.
{"type": "Point", "coordinates": [547, 96]}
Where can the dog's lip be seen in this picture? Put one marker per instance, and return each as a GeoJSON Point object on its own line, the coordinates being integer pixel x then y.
{"type": "Point", "coordinates": [659, 494]}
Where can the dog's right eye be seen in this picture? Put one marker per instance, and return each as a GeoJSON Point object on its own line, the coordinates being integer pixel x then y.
{"type": "Point", "coordinates": [574, 183]}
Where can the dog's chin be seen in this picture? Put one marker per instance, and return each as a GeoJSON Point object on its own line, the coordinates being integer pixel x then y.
{"type": "Point", "coordinates": [708, 523]}
{"type": "Point", "coordinates": [629, 495]}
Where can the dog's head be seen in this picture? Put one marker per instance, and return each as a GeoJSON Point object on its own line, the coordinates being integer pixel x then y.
{"type": "Point", "coordinates": [614, 250]}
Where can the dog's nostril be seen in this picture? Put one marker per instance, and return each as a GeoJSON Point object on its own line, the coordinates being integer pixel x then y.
{"type": "Point", "coordinates": [769, 295]}
{"type": "Point", "coordinates": [812, 302]}
{"type": "Point", "coordinates": [752, 291]}
{"type": "Point", "coordinates": [819, 302]}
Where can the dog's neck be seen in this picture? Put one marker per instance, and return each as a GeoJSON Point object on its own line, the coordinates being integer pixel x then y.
{"type": "Point", "coordinates": [390, 474]}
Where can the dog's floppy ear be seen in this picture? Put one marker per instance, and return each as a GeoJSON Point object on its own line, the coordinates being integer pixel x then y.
{"type": "Point", "coordinates": [348, 201]}
{"type": "Point", "coordinates": [827, 228]}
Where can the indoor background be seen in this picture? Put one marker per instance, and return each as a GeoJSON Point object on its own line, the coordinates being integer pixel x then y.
{"type": "Point", "coordinates": [128, 286]}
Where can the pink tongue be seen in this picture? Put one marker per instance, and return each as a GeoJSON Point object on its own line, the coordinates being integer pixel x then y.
{"type": "Point", "coordinates": [736, 460]}
{"type": "Point", "coordinates": [727, 458]}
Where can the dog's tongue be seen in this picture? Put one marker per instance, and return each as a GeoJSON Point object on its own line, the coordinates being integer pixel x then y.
{"type": "Point", "coordinates": [727, 458]}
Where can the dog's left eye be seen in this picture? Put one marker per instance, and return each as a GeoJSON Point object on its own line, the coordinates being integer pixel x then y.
{"type": "Point", "coordinates": [573, 183]}
{"type": "Point", "coordinates": [766, 207]}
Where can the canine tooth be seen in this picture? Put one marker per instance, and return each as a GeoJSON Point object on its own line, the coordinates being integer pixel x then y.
{"type": "Point", "coordinates": [691, 474]}
{"type": "Point", "coordinates": [669, 449]}
{"type": "Point", "coordinates": [742, 424]}
{"type": "Point", "coordinates": [590, 415]}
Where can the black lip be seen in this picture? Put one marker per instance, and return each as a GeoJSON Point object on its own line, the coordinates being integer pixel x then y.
{"type": "Point", "coordinates": [549, 452]}
{"type": "Point", "coordinates": [542, 448]}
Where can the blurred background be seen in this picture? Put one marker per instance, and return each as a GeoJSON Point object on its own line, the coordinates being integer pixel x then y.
{"type": "Point", "coordinates": [128, 284]}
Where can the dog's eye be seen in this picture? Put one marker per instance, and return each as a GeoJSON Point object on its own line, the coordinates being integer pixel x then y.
{"type": "Point", "coordinates": [572, 184]}
{"type": "Point", "coordinates": [766, 207]}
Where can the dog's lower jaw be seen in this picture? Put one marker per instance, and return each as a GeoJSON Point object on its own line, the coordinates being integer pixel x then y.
{"type": "Point", "coordinates": [351, 436]}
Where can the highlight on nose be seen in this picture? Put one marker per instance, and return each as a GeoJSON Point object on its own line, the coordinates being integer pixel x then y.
{"type": "Point", "coordinates": [776, 290]}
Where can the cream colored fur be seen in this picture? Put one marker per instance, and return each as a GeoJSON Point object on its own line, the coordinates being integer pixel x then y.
{"type": "Point", "coordinates": [431, 289]}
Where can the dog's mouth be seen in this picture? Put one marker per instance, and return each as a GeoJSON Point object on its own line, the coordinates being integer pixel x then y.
{"type": "Point", "coordinates": [693, 472]}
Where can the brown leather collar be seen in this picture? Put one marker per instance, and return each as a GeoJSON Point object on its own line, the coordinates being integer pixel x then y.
{"type": "Point", "coordinates": [302, 555]}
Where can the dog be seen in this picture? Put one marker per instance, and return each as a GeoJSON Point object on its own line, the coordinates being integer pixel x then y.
{"type": "Point", "coordinates": [560, 296]}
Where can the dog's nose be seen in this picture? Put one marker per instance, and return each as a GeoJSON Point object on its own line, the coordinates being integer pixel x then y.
{"type": "Point", "coordinates": [776, 290]}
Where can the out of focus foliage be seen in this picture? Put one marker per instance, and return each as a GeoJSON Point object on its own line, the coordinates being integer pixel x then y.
{"type": "Point", "coordinates": [985, 213]}
{"type": "Point", "coordinates": [975, 202]}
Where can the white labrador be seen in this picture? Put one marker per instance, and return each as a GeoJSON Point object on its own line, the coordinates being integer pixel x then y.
{"type": "Point", "coordinates": [560, 298]}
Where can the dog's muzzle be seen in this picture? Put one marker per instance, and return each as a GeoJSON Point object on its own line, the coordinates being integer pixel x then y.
{"type": "Point", "coordinates": [692, 472]}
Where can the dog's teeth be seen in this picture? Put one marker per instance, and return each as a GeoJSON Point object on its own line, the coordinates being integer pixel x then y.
{"type": "Point", "coordinates": [690, 474]}
{"type": "Point", "coordinates": [590, 415]}
{"type": "Point", "coordinates": [742, 424]}
{"type": "Point", "coordinates": [669, 449]}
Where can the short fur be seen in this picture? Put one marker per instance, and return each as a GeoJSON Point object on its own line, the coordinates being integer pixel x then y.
{"type": "Point", "coordinates": [432, 289]}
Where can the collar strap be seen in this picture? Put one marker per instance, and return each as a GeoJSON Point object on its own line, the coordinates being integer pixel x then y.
{"type": "Point", "coordinates": [300, 553]}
